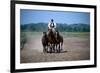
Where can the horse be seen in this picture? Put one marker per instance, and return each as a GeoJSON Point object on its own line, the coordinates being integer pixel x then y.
{"type": "Point", "coordinates": [51, 40]}
{"type": "Point", "coordinates": [45, 42]}
{"type": "Point", "coordinates": [59, 42]}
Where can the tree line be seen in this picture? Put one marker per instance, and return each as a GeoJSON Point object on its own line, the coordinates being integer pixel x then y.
{"type": "Point", "coordinates": [60, 27]}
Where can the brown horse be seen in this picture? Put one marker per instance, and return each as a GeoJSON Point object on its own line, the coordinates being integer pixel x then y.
{"type": "Point", "coordinates": [45, 42]}
{"type": "Point", "coordinates": [59, 42]}
{"type": "Point", "coordinates": [51, 41]}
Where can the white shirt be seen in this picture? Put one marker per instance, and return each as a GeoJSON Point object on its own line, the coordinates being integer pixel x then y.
{"type": "Point", "coordinates": [51, 24]}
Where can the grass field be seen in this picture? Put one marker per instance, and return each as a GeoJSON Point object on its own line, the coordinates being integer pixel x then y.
{"type": "Point", "coordinates": [76, 47]}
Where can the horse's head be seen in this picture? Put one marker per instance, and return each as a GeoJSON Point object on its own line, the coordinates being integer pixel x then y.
{"type": "Point", "coordinates": [50, 31]}
{"type": "Point", "coordinates": [51, 35]}
{"type": "Point", "coordinates": [57, 32]}
{"type": "Point", "coordinates": [44, 33]}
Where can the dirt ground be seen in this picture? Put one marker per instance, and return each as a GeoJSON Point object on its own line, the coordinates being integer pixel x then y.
{"type": "Point", "coordinates": [74, 48]}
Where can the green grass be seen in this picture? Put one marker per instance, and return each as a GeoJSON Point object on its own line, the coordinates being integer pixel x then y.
{"type": "Point", "coordinates": [64, 34]}
{"type": "Point", "coordinates": [75, 34]}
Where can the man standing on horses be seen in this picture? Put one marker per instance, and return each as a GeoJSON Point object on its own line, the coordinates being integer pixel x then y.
{"type": "Point", "coordinates": [52, 25]}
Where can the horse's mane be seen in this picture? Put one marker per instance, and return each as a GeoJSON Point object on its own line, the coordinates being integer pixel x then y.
{"type": "Point", "coordinates": [59, 37]}
{"type": "Point", "coordinates": [51, 36]}
{"type": "Point", "coordinates": [57, 33]}
{"type": "Point", "coordinates": [50, 33]}
{"type": "Point", "coordinates": [45, 34]}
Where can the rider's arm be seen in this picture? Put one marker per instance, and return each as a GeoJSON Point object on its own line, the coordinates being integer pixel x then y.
{"type": "Point", "coordinates": [55, 25]}
{"type": "Point", "coordinates": [49, 25]}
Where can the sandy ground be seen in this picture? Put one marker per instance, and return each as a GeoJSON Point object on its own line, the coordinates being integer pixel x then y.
{"type": "Point", "coordinates": [74, 48]}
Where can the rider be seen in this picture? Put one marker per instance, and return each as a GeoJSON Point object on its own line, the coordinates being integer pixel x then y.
{"type": "Point", "coordinates": [52, 25]}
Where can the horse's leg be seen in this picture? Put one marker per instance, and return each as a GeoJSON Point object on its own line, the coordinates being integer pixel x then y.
{"type": "Point", "coordinates": [59, 48]}
{"type": "Point", "coordinates": [55, 47]}
{"type": "Point", "coordinates": [44, 49]}
{"type": "Point", "coordinates": [50, 48]}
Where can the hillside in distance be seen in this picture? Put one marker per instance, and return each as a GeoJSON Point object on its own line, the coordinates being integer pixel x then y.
{"type": "Point", "coordinates": [41, 27]}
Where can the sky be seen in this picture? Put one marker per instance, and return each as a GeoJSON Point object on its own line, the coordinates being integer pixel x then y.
{"type": "Point", "coordinates": [36, 16]}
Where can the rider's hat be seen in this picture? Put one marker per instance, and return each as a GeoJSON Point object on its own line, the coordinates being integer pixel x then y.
{"type": "Point", "coordinates": [51, 19]}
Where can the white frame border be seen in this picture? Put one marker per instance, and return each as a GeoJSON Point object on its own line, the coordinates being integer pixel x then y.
{"type": "Point", "coordinates": [51, 64]}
